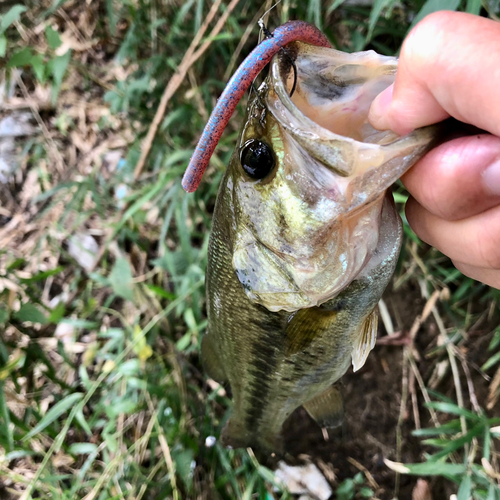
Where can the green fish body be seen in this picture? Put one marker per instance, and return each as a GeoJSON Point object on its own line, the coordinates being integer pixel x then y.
{"type": "Point", "coordinates": [301, 252]}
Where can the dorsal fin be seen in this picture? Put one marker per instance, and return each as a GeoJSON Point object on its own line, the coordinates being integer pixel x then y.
{"type": "Point", "coordinates": [365, 341]}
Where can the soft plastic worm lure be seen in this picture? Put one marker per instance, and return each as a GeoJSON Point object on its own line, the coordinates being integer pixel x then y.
{"type": "Point", "coordinates": [236, 88]}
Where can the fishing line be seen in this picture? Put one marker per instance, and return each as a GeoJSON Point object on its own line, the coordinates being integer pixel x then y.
{"type": "Point", "coordinates": [270, 9]}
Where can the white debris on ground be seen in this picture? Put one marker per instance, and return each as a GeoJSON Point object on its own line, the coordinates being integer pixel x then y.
{"type": "Point", "coordinates": [304, 480]}
{"type": "Point", "coordinates": [7, 159]}
{"type": "Point", "coordinates": [210, 441]}
{"type": "Point", "coordinates": [65, 332]}
{"type": "Point", "coordinates": [84, 249]}
{"type": "Point", "coordinates": [14, 124]}
{"type": "Point", "coordinates": [17, 124]}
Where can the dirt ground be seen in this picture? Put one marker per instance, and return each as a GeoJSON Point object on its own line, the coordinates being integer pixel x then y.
{"type": "Point", "coordinates": [373, 406]}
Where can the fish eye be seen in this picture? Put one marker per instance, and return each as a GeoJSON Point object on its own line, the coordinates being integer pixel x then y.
{"type": "Point", "coordinates": [257, 159]}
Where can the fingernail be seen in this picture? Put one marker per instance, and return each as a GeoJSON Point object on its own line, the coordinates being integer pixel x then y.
{"type": "Point", "coordinates": [379, 107]}
{"type": "Point", "coordinates": [491, 178]}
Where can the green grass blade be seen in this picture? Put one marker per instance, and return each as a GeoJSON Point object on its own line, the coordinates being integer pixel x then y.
{"type": "Point", "coordinates": [5, 421]}
{"type": "Point", "coordinates": [453, 409]}
{"type": "Point", "coordinates": [378, 7]}
{"type": "Point", "coordinates": [473, 7]}
{"type": "Point", "coordinates": [465, 488]}
{"type": "Point", "coordinates": [433, 6]}
{"type": "Point", "coordinates": [54, 413]}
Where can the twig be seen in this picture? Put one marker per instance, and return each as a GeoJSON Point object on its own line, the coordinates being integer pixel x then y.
{"type": "Point", "coordinates": [171, 88]}
{"type": "Point", "coordinates": [170, 464]}
{"type": "Point", "coordinates": [423, 389]}
{"type": "Point", "coordinates": [414, 400]}
{"type": "Point", "coordinates": [429, 306]}
{"type": "Point", "coordinates": [190, 57]}
{"type": "Point", "coordinates": [402, 411]}
{"type": "Point", "coordinates": [215, 31]}
{"type": "Point", "coordinates": [470, 385]}
{"type": "Point", "coordinates": [451, 354]}
{"type": "Point", "coordinates": [366, 472]}
{"type": "Point", "coordinates": [386, 317]}
{"type": "Point", "coordinates": [427, 399]}
{"type": "Point", "coordinates": [493, 390]}
{"type": "Point", "coordinates": [458, 385]}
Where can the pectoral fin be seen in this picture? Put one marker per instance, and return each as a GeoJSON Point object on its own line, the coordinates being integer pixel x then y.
{"type": "Point", "coordinates": [305, 326]}
{"type": "Point", "coordinates": [327, 408]}
{"type": "Point", "coordinates": [365, 341]}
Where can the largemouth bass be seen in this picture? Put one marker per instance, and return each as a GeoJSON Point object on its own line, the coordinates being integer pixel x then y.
{"type": "Point", "coordinates": [304, 240]}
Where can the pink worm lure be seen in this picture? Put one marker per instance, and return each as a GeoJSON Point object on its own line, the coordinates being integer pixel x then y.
{"type": "Point", "coordinates": [254, 63]}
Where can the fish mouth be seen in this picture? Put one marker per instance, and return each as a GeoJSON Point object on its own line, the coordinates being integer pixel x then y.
{"type": "Point", "coordinates": [322, 98]}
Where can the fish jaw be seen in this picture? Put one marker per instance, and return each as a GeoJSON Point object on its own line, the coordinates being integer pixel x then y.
{"type": "Point", "coordinates": [304, 232]}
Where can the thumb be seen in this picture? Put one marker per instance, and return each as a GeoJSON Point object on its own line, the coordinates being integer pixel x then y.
{"type": "Point", "coordinates": [448, 67]}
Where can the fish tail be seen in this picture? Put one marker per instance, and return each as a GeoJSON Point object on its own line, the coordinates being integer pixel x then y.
{"type": "Point", "coordinates": [236, 435]}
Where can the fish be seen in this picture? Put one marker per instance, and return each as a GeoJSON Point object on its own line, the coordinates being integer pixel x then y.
{"type": "Point", "coordinates": [305, 238]}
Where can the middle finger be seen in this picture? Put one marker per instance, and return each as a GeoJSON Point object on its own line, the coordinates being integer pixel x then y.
{"type": "Point", "coordinates": [451, 181]}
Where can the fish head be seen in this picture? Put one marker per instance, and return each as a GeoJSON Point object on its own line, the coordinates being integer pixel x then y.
{"type": "Point", "coordinates": [308, 176]}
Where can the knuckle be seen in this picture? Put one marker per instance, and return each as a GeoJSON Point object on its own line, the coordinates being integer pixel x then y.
{"type": "Point", "coordinates": [488, 243]}
{"type": "Point", "coordinates": [432, 199]}
{"type": "Point", "coordinates": [422, 46]}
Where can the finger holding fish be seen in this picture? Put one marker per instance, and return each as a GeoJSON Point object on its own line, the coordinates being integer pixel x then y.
{"type": "Point", "coordinates": [452, 181]}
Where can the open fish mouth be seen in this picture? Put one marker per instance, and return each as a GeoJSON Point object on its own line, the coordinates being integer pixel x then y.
{"type": "Point", "coordinates": [333, 90]}
{"type": "Point", "coordinates": [317, 222]}
{"type": "Point", "coordinates": [327, 112]}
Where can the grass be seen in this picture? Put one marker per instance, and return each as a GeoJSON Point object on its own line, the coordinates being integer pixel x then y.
{"type": "Point", "coordinates": [102, 393]}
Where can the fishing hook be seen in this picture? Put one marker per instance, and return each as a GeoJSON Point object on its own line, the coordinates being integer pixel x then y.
{"type": "Point", "coordinates": [268, 34]}
{"type": "Point", "coordinates": [238, 84]}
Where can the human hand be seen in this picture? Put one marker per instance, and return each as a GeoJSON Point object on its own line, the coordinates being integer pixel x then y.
{"type": "Point", "coordinates": [450, 66]}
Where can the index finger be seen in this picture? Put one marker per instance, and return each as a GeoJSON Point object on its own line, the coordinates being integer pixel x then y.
{"type": "Point", "coordinates": [449, 66]}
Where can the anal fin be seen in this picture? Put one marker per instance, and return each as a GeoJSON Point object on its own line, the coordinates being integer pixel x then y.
{"type": "Point", "coordinates": [366, 341]}
{"type": "Point", "coordinates": [327, 408]}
